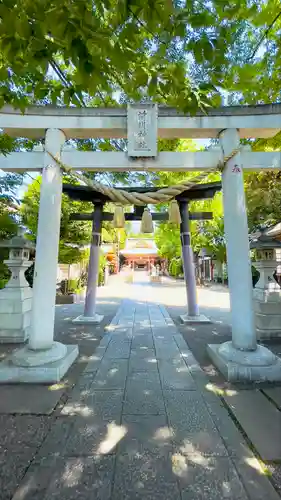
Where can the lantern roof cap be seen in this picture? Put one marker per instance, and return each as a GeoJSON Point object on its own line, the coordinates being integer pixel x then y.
{"type": "Point", "coordinates": [262, 241]}
{"type": "Point", "coordinates": [18, 241]}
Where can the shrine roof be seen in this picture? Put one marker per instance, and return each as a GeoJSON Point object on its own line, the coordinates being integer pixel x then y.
{"type": "Point", "coordinates": [139, 251]}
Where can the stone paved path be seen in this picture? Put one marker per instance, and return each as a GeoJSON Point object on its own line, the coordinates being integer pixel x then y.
{"type": "Point", "coordinates": [143, 423]}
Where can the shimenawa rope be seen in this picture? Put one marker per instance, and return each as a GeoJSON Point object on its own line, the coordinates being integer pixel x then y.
{"type": "Point", "coordinates": [120, 196]}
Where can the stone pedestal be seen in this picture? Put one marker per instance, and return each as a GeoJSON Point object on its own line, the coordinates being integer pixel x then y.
{"type": "Point", "coordinates": [267, 297]}
{"type": "Point", "coordinates": [260, 365]}
{"type": "Point", "coordinates": [88, 320]}
{"type": "Point", "coordinates": [44, 366]}
{"type": "Point", "coordinates": [16, 297]}
{"type": "Point", "coordinates": [189, 320]}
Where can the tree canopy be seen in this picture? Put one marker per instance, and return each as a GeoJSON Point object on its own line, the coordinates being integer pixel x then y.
{"type": "Point", "coordinates": [187, 54]}
{"type": "Point", "coordinates": [180, 53]}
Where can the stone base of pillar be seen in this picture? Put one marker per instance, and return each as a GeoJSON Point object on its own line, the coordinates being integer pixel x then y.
{"type": "Point", "coordinates": [88, 320]}
{"type": "Point", "coordinates": [189, 320]}
{"type": "Point", "coordinates": [34, 367]}
{"type": "Point", "coordinates": [260, 365]}
{"type": "Point", "coordinates": [28, 357]}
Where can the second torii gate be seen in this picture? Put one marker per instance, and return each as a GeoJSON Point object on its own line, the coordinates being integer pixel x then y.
{"type": "Point", "coordinates": [84, 193]}
{"type": "Point", "coordinates": [242, 358]}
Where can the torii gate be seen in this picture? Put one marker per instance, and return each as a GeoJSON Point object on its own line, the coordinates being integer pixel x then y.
{"type": "Point", "coordinates": [197, 192]}
{"type": "Point", "coordinates": [240, 359]}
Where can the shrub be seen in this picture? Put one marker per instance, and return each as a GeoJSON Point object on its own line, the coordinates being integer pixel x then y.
{"type": "Point", "coordinates": [73, 285]}
{"type": "Point", "coordinates": [175, 267]}
{"type": "Point", "coordinates": [102, 264]}
{"type": "Point", "coordinates": [29, 275]}
{"type": "Point", "coordinates": [3, 283]}
{"type": "Point", "coordinates": [255, 275]}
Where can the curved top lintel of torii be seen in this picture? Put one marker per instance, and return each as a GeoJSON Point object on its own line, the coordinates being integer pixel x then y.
{"type": "Point", "coordinates": [261, 121]}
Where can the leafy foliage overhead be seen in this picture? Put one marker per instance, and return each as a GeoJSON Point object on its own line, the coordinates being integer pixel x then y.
{"type": "Point", "coordinates": [177, 52]}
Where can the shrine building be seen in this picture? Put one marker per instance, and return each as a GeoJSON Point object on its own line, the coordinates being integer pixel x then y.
{"type": "Point", "coordinates": [140, 253]}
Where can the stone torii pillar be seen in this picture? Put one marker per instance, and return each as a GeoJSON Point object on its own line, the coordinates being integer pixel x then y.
{"type": "Point", "coordinates": [193, 315]}
{"type": "Point", "coordinates": [90, 315]}
{"type": "Point", "coordinates": [241, 358]}
{"type": "Point", "coordinates": [44, 360]}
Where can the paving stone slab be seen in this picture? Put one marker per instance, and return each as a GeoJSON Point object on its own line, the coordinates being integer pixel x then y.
{"type": "Point", "coordinates": [181, 343]}
{"type": "Point", "coordinates": [142, 340]}
{"type": "Point", "coordinates": [166, 349]}
{"type": "Point", "coordinates": [264, 431]}
{"type": "Point", "coordinates": [124, 334]}
{"type": "Point", "coordinates": [142, 330]}
{"type": "Point", "coordinates": [126, 323]}
{"type": "Point", "coordinates": [175, 375]}
{"type": "Point", "coordinates": [95, 360]}
{"type": "Point", "coordinates": [56, 439]}
{"type": "Point", "coordinates": [111, 374]}
{"type": "Point", "coordinates": [105, 340]}
{"type": "Point", "coordinates": [26, 429]}
{"type": "Point", "coordinates": [164, 311]}
{"type": "Point", "coordinates": [84, 381]}
{"type": "Point", "coordinates": [118, 350]}
{"type": "Point", "coordinates": [157, 326]}
{"type": "Point", "coordinates": [143, 363]}
{"type": "Point", "coordinates": [164, 332]}
{"type": "Point", "coordinates": [140, 401]}
{"type": "Point", "coordinates": [144, 325]}
{"type": "Point", "coordinates": [95, 436]}
{"type": "Point", "coordinates": [144, 381]}
{"type": "Point", "coordinates": [169, 321]}
{"type": "Point", "coordinates": [142, 352]}
{"type": "Point", "coordinates": [275, 394]}
{"type": "Point", "coordinates": [193, 429]}
{"type": "Point", "coordinates": [146, 476]}
{"type": "Point", "coordinates": [255, 481]}
{"type": "Point", "coordinates": [233, 440]}
{"type": "Point", "coordinates": [36, 480]}
{"type": "Point", "coordinates": [83, 478]}
{"type": "Point", "coordinates": [13, 464]}
{"type": "Point", "coordinates": [145, 433]}
{"type": "Point", "coordinates": [106, 404]}
{"type": "Point", "coordinates": [29, 399]}
{"type": "Point", "coordinates": [206, 478]}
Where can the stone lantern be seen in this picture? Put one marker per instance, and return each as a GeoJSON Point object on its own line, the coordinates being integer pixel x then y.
{"type": "Point", "coordinates": [267, 293]}
{"type": "Point", "coordinates": [16, 297]}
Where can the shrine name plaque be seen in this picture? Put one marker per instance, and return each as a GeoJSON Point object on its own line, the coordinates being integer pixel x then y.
{"type": "Point", "coordinates": [142, 130]}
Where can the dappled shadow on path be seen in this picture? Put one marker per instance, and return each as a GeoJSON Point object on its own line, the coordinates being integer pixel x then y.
{"type": "Point", "coordinates": [136, 429]}
{"type": "Point", "coordinates": [93, 451]}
